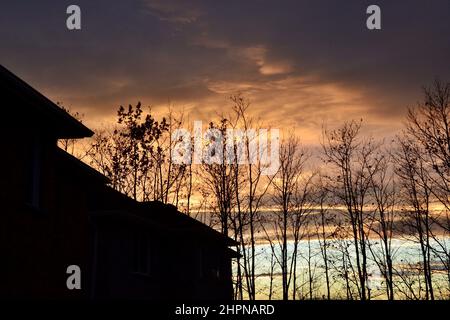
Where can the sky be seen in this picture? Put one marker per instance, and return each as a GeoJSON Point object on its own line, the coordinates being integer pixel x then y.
{"type": "Point", "coordinates": [303, 64]}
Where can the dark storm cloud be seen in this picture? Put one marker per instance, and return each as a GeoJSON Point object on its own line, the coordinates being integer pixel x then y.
{"type": "Point", "coordinates": [195, 51]}
{"type": "Point", "coordinates": [328, 39]}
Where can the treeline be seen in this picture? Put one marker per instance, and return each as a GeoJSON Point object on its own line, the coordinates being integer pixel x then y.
{"type": "Point", "coordinates": [354, 197]}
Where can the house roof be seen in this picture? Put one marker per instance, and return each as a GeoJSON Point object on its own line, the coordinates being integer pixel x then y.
{"type": "Point", "coordinates": [170, 215]}
{"type": "Point", "coordinates": [113, 205]}
{"type": "Point", "coordinates": [73, 165]}
{"type": "Point", "coordinates": [38, 107]}
{"type": "Point", "coordinates": [106, 202]}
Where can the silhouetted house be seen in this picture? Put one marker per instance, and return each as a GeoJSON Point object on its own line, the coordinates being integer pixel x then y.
{"type": "Point", "coordinates": [57, 211]}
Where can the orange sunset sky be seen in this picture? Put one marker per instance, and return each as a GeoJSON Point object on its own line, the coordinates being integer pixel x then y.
{"type": "Point", "coordinates": [302, 63]}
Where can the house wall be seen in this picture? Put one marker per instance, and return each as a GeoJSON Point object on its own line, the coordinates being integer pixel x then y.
{"type": "Point", "coordinates": [42, 233]}
{"type": "Point", "coordinates": [179, 269]}
{"type": "Point", "coordinates": [41, 242]}
{"type": "Point", "coordinates": [38, 243]}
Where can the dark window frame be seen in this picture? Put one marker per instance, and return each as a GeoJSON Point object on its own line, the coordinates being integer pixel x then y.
{"type": "Point", "coordinates": [33, 182]}
{"type": "Point", "coordinates": [141, 254]}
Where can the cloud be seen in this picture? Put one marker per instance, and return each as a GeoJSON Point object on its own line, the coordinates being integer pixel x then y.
{"type": "Point", "coordinates": [177, 12]}
{"type": "Point", "coordinates": [301, 62]}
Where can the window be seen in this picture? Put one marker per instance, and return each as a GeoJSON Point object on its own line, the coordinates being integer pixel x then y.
{"type": "Point", "coordinates": [210, 264]}
{"type": "Point", "coordinates": [33, 178]}
{"type": "Point", "coordinates": [199, 264]}
{"type": "Point", "coordinates": [141, 253]}
{"type": "Point", "coordinates": [215, 269]}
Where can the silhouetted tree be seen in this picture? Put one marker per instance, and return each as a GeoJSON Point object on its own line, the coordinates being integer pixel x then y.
{"type": "Point", "coordinates": [291, 191]}
{"type": "Point", "coordinates": [384, 195]}
{"type": "Point", "coordinates": [416, 195]}
{"type": "Point", "coordinates": [351, 159]}
{"type": "Point", "coordinates": [324, 219]}
{"type": "Point", "coordinates": [429, 125]}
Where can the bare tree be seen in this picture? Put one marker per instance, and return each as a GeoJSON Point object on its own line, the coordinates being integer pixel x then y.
{"type": "Point", "coordinates": [252, 191]}
{"type": "Point", "coordinates": [311, 263]}
{"type": "Point", "coordinates": [351, 158]}
{"type": "Point", "coordinates": [290, 198]}
{"type": "Point", "coordinates": [410, 283]}
{"type": "Point", "coordinates": [136, 154]}
{"type": "Point", "coordinates": [416, 194]}
{"type": "Point", "coordinates": [384, 194]}
{"type": "Point", "coordinates": [324, 219]}
{"type": "Point", "coordinates": [429, 125]}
